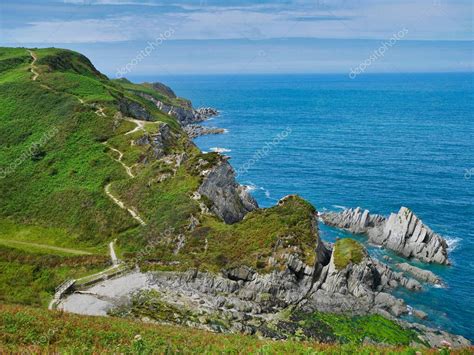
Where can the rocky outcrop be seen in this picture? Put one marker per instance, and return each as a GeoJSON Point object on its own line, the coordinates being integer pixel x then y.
{"type": "Point", "coordinates": [184, 115]}
{"type": "Point", "coordinates": [229, 200]}
{"type": "Point", "coordinates": [194, 130]}
{"type": "Point", "coordinates": [243, 300]}
{"type": "Point", "coordinates": [406, 234]}
{"type": "Point", "coordinates": [354, 220]}
{"type": "Point", "coordinates": [420, 274]}
{"type": "Point", "coordinates": [134, 109]}
{"type": "Point", "coordinates": [402, 232]}
{"type": "Point", "coordinates": [163, 89]}
{"type": "Point", "coordinates": [207, 111]}
{"type": "Point", "coordinates": [158, 142]}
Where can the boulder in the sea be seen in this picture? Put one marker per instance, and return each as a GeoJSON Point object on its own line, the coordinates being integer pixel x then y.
{"type": "Point", "coordinates": [402, 232]}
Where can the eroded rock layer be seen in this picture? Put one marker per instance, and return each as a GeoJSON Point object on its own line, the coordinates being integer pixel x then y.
{"type": "Point", "coordinates": [402, 232]}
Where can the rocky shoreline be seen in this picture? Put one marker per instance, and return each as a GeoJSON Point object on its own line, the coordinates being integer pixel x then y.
{"type": "Point", "coordinates": [195, 130]}
{"type": "Point", "coordinates": [340, 279]}
{"type": "Point", "coordinates": [245, 301]}
{"type": "Point", "coordinates": [402, 232]}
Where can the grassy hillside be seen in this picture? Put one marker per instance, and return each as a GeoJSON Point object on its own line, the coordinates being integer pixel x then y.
{"type": "Point", "coordinates": [68, 158]}
{"type": "Point", "coordinates": [31, 330]}
{"type": "Point", "coordinates": [80, 167]}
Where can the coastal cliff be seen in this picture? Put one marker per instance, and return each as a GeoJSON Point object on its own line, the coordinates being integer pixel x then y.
{"type": "Point", "coordinates": [195, 248]}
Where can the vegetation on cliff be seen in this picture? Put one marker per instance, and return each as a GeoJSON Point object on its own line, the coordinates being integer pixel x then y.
{"type": "Point", "coordinates": [28, 329]}
{"type": "Point", "coordinates": [71, 139]}
{"type": "Point", "coordinates": [347, 251]}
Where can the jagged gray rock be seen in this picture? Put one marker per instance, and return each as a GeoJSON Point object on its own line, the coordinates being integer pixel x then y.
{"type": "Point", "coordinates": [194, 130]}
{"type": "Point", "coordinates": [158, 142]}
{"type": "Point", "coordinates": [230, 201]}
{"type": "Point", "coordinates": [405, 233]}
{"type": "Point", "coordinates": [134, 109]}
{"type": "Point", "coordinates": [207, 111]}
{"type": "Point", "coordinates": [354, 220]}
{"type": "Point", "coordinates": [185, 114]}
{"type": "Point", "coordinates": [420, 274]}
{"type": "Point", "coordinates": [402, 232]}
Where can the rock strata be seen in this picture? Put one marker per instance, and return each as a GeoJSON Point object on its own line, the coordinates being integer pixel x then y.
{"type": "Point", "coordinates": [402, 232]}
{"type": "Point", "coordinates": [420, 274]}
{"type": "Point", "coordinates": [354, 220]}
{"type": "Point", "coordinates": [157, 142]}
{"type": "Point", "coordinates": [133, 109]}
{"type": "Point", "coordinates": [194, 130]}
{"type": "Point", "coordinates": [230, 201]}
{"type": "Point", "coordinates": [185, 115]}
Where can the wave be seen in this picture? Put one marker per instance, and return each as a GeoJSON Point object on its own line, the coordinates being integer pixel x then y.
{"type": "Point", "coordinates": [250, 187]}
{"type": "Point", "coordinates": [220, 150]}
{"type": "Point", "coordinates": [453, 242]}
{"type": "Point", "coordinates": [340, 207]}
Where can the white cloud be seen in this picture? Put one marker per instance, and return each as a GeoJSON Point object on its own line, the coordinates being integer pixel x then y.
{"type": "Point", "coordinates": [372, 20]}
{"type": "Point", "coordinates": [80, 31]}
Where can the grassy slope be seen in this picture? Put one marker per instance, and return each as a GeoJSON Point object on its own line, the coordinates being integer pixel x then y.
{"type": "Point", "coordinates": [58, 190]}
{"type": "Point", "coordinates": [28, 329]}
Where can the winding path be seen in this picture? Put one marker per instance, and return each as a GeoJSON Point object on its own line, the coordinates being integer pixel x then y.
{"type": "Point", "coordinates": [113, 256]}
{"type": "Point", "coordinates": [122, 205]}
{"type": "Point", "coordinates": [140, 126]}
{"type": "Point", "coordinates": [119, 160]}
{"type": "Point", "coordinates": [33, 65]}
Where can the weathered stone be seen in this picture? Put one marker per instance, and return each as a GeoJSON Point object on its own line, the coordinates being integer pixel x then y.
{"type": "Point", "coordinates": [420, 274]}
{"type": "Point", "coordinates": [134, 109]}
{"type": "Point", "coordinates": [230, 201]}
{"type": "Point", "coordinates": [402, 232]}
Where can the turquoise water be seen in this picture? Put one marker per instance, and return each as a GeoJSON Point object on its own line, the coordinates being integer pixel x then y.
{"type": "Point", "coordinates": [379, 142]}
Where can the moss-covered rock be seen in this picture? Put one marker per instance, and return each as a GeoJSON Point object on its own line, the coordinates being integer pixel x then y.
{"type": "Point", "coordinates": [347, 251]}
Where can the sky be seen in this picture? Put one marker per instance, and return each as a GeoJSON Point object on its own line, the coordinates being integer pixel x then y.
{"type": "Point", "coordinates": [150, 37]}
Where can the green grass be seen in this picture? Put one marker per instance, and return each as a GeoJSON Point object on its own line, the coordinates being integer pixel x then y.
{"type": "Point", "coordinates": [347, 251]}
{"type": "Point", "coordinates": [28, 329]}
{"type": "Point", "coordinates": [357, 329]}
{"type": "Point", "coordinates": [30, 278]}
{"type": "Point", "coordinates": [47, 236]}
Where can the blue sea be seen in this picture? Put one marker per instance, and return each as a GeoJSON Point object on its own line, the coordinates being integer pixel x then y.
{"type": "Point", "coordinates": [378, 141]}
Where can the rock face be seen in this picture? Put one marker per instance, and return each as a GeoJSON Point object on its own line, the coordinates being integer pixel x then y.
{"type": "Point", "coordinates": [402, 232]}
{"type": "Point", "coordinates": [230, 201]}
{"type": "Point", "coordinates": [184, 115]}
{"type": "Point", "coordinates": [134, 109]}
{"type": "Point", "coordinates": [158, 142]}
{"type": "Point", "coordinates": [194, 130]}
{"type": "Point", "coordinates": [354, 220]}
{"type": "Point", "coordinates": [406, 234]}
{"type": "Point", "coordinates": [420, 274]}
